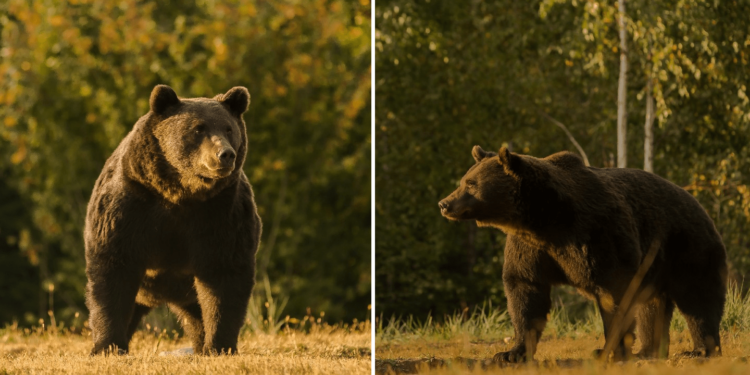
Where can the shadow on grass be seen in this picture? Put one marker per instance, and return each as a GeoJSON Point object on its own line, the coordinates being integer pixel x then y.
{"type": "Point", "coordinates": [413, 366]}
{"type": "Point", "coordinates": [421, 365]}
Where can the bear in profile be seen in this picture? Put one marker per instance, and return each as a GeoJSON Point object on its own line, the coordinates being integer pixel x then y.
{"type": "Point", "coordinates": [172, 219]}
{"type": "Point", "coordinates": [634, 242]}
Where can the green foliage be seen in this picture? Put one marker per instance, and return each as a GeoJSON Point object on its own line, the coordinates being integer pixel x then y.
{"type": "Point", "coordinates": [270, 321]}
{"type": "Point", "coordinates": [484, 323]}
{"type": "Point", "coordinates": [492, 324]}
{"type": "Point", "coordinates": [76, 75]}
{"type": "Point", "coordinates": [736, 311]}
{"type": "Point", "coordinates": [563, 324]}
{"type": "Point", "coordinates": [452, 75]}
{"type": "Point", "coordinates": [13, 240]}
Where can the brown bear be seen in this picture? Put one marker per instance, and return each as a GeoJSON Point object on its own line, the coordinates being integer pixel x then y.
{"type": "Point", "coordinates": [633, 241]}
{"type": "Point", "coordinates": [172, 219]}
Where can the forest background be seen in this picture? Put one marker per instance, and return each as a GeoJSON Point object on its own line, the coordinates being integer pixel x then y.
{"type": "Point", "coordinates": [450, 75]}
{"type": "Point", "coordinates": [75, 76]}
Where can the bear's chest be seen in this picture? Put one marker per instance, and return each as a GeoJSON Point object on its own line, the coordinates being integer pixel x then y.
{"type": "Point", "coordinates": [180, 237]}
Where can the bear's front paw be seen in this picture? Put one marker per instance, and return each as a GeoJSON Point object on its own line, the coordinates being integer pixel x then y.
{"type": "Point", "coordinates": [515, 355]}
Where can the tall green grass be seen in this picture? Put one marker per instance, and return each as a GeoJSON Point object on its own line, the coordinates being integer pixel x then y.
{"type": "Point", "coordinates": [484, 323]}
{"type": "Point", "coordinates": [493, 324]}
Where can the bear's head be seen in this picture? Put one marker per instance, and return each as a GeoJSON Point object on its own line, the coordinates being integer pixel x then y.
{"type": "Point", "coordinates": [190, 148]}
{"type": "Point", "coordinates": [487, 192]}
{"type": "Point", "coordinates": [516, 192]}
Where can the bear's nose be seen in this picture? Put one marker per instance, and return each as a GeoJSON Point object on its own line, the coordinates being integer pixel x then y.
{"type": "Point", "coordinates": [226, 156]}
{"type": "Point", "coordinates": [443, 205]}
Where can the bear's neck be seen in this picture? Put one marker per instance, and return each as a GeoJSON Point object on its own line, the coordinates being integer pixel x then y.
{"type": "Point", "coordinates": [545, 233]}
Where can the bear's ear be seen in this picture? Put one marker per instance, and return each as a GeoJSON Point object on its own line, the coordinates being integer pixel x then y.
{"type": "Point", "coordinates": [478, 153]}
{"type": "Point", "coordinates": [511, 162]}
{"type": "Point", "coordinates": [237, 99]}
{"type": "Point", "coordinates": [162, 97]}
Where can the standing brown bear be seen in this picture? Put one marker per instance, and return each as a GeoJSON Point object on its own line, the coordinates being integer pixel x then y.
{"type": "Point", "coordinates": [172, 219]}
{"type": "Point", "coordinates": [599, 230]}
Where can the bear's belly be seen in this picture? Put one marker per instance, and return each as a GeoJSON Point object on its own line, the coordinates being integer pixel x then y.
{"type": "Point", "coordinates": [159, 286]}
{"type": "Point", "coordinates": [170, 252]}
{"type": "Point", "coordinates": [177, 260]}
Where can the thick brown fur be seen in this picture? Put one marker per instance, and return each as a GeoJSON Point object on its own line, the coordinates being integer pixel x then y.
{"type": "Point", "coordinates": [172, 219]}
{"type": "Point", "coordinates": [592, 228]}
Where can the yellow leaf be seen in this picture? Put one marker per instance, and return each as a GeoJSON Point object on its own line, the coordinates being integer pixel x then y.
{"type": "Point", "coordinates": [10, 121]}
{"type": "Point", "coordinates": [56, 20]}
{"type": "Point", "coordinates": [19, 155]}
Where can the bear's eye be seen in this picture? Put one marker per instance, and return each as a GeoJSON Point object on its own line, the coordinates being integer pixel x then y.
{"type": "Point", "coordinates": [229, 129]}
{"type": "Point", "coordinates": [471, 184]}
{"type": "Point", "coordinates": [199, 129]}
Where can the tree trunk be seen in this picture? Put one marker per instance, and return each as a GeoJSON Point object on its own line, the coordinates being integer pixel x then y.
{"type": "Point", "coordinates": [622, 152]}
{"type": "Point", "coordinates": [648, 141]}
{"type": "Point", "coordinates": [648, 144]}
{"type": "Point", "coordinates": [570, 136]}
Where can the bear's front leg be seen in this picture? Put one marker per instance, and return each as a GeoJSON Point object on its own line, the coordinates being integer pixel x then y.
{"type": "Point", "coordinates": [110, 297]}
{"type": "Point", "coordinates": [618, 331]}
{"type": "Point", "coordinates": [223, 299]}
{"type": "Point", "coordinates": [528, 306]}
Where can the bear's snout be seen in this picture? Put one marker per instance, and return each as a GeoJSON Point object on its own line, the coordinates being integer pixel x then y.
{"type": "Point", "coordinates": [456, 207]}
{"type": "Point", "coordinates": [448, 208]}
{"type": "Point", "coordinates": [444, 205]}
{"type": "Point", "coordinates": [226, 157]}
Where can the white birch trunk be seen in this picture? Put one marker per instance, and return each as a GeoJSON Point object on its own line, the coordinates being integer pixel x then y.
{"type": "Point", "coordinates": [648, 144]}
{"type": "Point", "coordinates": [622, 152]}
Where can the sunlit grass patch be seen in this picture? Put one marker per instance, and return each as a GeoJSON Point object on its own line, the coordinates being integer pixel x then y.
{"type": "Point", "coordinates": [321, 349]}
{"type": "Point", "coordinates": [465, 342]}
{"type": "Point", "coordinates": [270, 342]}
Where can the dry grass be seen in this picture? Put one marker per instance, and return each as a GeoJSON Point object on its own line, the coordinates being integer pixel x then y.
{"type": "Point", "coordinates": [467, 341]}
{"type": "Point", "coordinates": [549, 348]}
{"type": "Point", "coordinates": [564, 355]}
{"type": "Point", "coordinates": [325, 350]}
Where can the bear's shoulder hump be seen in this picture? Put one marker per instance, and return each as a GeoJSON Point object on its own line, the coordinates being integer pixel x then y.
{"type": "Point", "coordinates": [565, 159]}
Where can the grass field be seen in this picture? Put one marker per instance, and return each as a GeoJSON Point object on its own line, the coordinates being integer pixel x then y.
{"type": "Point", "coordinates": [466, 343]}
{"type": "Point", "coordinates": [323, 350]}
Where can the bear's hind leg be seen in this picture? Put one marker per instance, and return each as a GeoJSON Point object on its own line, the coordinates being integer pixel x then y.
{"type": "Point", "coordinates": [654, 317]}
{"type": "Point", "coordinates": [704, 330]}
{"type": "Point", "coordinates": [138, 313]}
{"type": "Point", "coordinates": [701, 302]}
{"type": "Point", "coordinates": [192, 321]}
{"type": "Point", "coordinates": [705, 334]}
{"type": "Point", "coordinates": [702, 309]}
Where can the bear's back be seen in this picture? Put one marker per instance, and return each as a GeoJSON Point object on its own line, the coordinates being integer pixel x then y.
{"type": "Point", "coordinates": [653, 200]}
